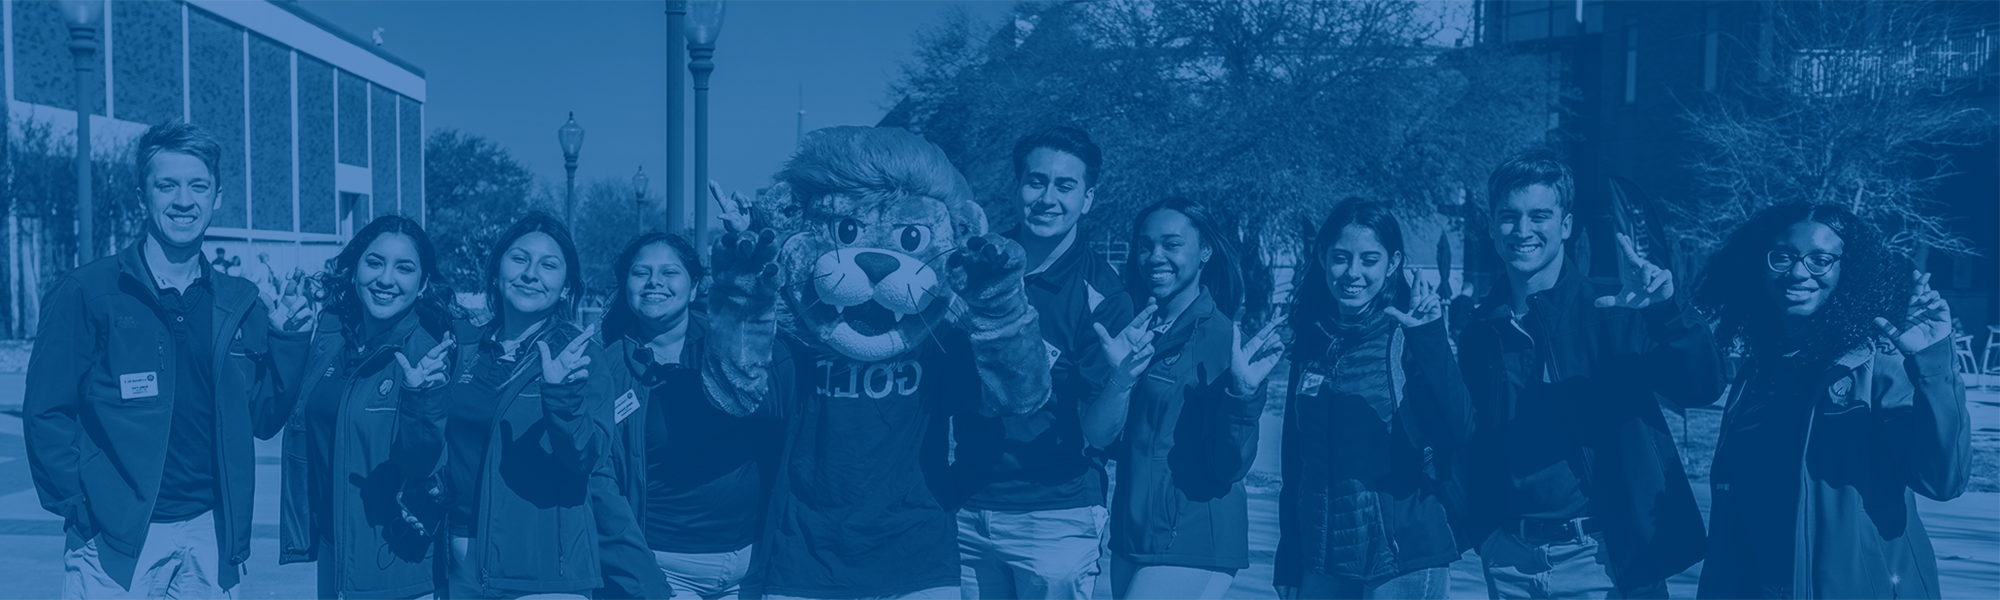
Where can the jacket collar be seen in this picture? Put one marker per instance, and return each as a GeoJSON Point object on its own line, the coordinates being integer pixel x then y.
{"type": "Point", "coordinates": [1499, 304]}
{"type": "Point", "coordinates": [132, 263]}
{"type": "Point", "coordinates": [1062, 265]}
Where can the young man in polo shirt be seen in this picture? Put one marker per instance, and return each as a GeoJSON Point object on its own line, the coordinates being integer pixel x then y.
{"type": "Point", "coordinates": [1035, 512]}
{"type": "Point", "coordinates": [1574, 488]}
{"type": "Point", "coordinates": [150, 372]}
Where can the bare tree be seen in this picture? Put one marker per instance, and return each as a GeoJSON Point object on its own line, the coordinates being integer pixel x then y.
{"type": "Point", "coordinates": [1854, 103]}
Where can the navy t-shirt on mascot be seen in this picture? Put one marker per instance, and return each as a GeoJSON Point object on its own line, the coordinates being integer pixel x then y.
{"type": "Point", "coordinates": [898, 311]}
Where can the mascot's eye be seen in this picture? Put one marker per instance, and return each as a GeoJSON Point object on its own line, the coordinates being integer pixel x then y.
{"type": "Point", "coordinates": [913, 237]}
{"type": "Point", "coordinates": [847, 230]}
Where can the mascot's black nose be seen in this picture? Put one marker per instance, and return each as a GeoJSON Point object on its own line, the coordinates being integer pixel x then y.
{"type": "Point", "coordinates": [877, 265]}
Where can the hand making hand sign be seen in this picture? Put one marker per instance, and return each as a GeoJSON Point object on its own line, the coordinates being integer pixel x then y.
{"type": "Point", "coordinates": [1132, 350]}
{"type": "Point", "coordinates": [568, 365]}
{"type": "Point", "coordinates": [1251, 362]}
{"type": "Point", "coordinates": [432, 370]}
{"type": "Point", "coordinates": [1424, 305]}
{"type": "Point", "coordinates": [1925, 322]}
{"type": "Point", "coordinates": [1641, 284]}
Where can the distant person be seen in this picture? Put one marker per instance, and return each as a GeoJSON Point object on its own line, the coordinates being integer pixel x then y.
{"type": "Point", "coordinates": [697, 478]}
{"type": "Point", "coordinates": [1849, 406]}
{"type": "Point", "coordinates": [386, 308]}
{"type": "Point", "coordinates": [520, 427]}
{"type": "Point", "coordinates": [1035, 517]}
{"type": "Point", "coordinates": [1573, 485]}
{"type": "Point", "coordinates": [225, 264]}
{"type": "Point", "coordinates": [149, 375]}
{"type": "Point", "coordinates": [1375, 401]}
{"type": "Point", "coordinates": [1184, 402]}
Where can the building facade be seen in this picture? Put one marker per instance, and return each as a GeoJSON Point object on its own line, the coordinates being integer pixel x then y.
{"type": "Point", "coordinates": [321, 130]}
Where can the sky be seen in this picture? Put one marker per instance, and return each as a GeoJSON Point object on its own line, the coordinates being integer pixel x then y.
{"type": "Point", "coordinates": [513, 70]}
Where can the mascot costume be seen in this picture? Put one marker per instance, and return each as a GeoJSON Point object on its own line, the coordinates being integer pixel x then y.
{"type": "Point", "coordinates": [899, 312]}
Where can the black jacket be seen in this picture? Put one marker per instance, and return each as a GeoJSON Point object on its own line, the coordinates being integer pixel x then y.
{"type": "Point", "coordinates": [97, 456]}
{"type": "Point", "coordinates": [1606, 366]}
{"type": "Point", "coordinates": [1367, 522]}
{"type": "Point", "coordinates": [1187, 444]}
{"type": "Point", "coordinates": [536, 532]}
{"type": "Point", "coordinates": [375, 554]}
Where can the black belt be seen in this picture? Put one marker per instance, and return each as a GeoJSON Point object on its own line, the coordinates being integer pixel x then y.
{"type": "Point", "coordinates": [1552, 530]}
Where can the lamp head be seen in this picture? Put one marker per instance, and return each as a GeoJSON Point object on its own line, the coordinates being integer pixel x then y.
{"type": "Point", "coordinates": [83, 14]}
{"type": "Point", "coordinates": [639, 182]}
{"type": "Point", "coordinates": [571, 136]}
{"type": "Point", "coordinates": [704, 21]}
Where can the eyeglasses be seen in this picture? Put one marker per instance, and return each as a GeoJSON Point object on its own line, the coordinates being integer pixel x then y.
{"type": "Point", "coordinates": [1817, 263]}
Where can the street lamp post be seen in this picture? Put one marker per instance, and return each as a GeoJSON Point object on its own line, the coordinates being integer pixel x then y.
{"type": "Point", "coordinates": [83, 17]}
{"type": "Point", "coordinates": [704, 23]}
{"type": "Point", "coordinates": [676, 118]}
{"type": "Point", "coordinates": [571, 137]}
{"type": "Point", "coordinates": [639, 198]}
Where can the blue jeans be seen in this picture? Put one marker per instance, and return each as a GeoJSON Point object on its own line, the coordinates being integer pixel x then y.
{"type": "Point", "coordinates": [713, 576]}
{"type": "Point", "coordinates": [1421, 584]}
{"type": "Point", "coordinates": [1045, 554]}
{"type": "Point", "coordinates": [1136, 581]}
{"type": "Point", "coordinates": [179, 560]}
{"type": "Point", "coordinates": [1574, 568]}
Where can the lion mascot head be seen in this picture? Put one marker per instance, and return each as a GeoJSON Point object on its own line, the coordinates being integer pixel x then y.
{"type": "Point", "coordinates": [878, 213]}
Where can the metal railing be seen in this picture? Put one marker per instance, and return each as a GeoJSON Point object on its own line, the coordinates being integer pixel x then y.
{"type": "Point", "coordinates": [1958, 57]}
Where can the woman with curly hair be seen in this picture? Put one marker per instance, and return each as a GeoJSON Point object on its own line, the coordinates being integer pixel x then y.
{"type": "Point", "coordinates": [1847, 403]}
{"type": "Point", "coordinates": [384, 300]}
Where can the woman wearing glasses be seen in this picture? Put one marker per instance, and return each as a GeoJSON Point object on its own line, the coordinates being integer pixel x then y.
{"type": "Point", "coordinates": [1848, 403]}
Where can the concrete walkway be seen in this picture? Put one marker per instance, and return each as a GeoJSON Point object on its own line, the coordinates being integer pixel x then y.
{"type": "Point", "coordinates": [1966, 531]}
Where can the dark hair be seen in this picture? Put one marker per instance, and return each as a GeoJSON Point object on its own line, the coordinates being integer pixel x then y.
{"type": "Point", "coordinates": [1873, 283]}
{"type": "Point", "coordinates": [1061, 139]}
{"type": "Point", "coordinates": [537, 221]}
{"type": "Point", "coordinates": [435, 305]}
{"type": "Point", "coordinates": [184, 138]}
{"type": "Point", "coordinates": [1315, 302]}
{"type": "Point", "coordinates": [620, 308]}
{"type": "Point", "coordinates": [1540, 166]}
{"type": "Point", "coordinates": [1219, 275]}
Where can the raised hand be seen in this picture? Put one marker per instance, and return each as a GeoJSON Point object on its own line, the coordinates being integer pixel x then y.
{"type": "Point", "coordinates": [285, 305]}
{"type": "Point", "coordinates": [735, 212]}
{"type": "Point", "coordinates": [1131, 351]}
{"type": "Point", "coordinates": [430, 371]}
{"type": "Point", "coordinates": [1926, 321]}
{"type": "Point", "coordinates": [1641, 284]}
{"type": "Point", "coordinates": [746, 274]}
{"type": "Point", "coordinates": [987, 267]}
{"type": "Point", "coordinates": [569, 365]}
{"type": "Point", "coordinates": [1251, 362]}
{"type": "Point", "coordinates": [1424, 304]}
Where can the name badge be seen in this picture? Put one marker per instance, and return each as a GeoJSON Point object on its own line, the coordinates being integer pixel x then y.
{"type": "Point", "coordinates": [139, 385]}
{"type": "Point", "coordinates": [1309, 384]}
{"type": "Point", "coordinates": [627, 404]}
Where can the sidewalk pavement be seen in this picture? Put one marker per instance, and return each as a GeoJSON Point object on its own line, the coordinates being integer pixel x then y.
{"type": "Point", "coordinates": [1965, 531]}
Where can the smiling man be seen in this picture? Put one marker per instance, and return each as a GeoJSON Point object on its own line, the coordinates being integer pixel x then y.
{"type": "Point", "coordinates": [1573, 488]}
{"type": "Point", "coordinates": [1036, 511]}
{"type": "Point", "coordinates": [149, 373]}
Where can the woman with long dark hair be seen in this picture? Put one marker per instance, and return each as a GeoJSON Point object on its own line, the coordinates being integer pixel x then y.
{"type": "Point", "coordinates": [520, 435]}
{"type": "Point", "coordinates": [696, 477]}
{"type": "Point", "coordinates": [1375, 395]}
{"type": "Point", "coordinates": [1185, 400]}
{"type": "Point", "coordinates": [384, 301]}
{"type": "Point", "coordinates": [1848, 405]}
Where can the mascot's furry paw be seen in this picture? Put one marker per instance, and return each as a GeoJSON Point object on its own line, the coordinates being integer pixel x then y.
{"type": "Point", "coordinates": [742, 320]}
{"type": "Point", "coordinates": [987, 274]}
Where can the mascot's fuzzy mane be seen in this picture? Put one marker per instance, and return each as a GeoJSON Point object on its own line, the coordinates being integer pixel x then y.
{"type": "Point", "coordinates": [839, 171]}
